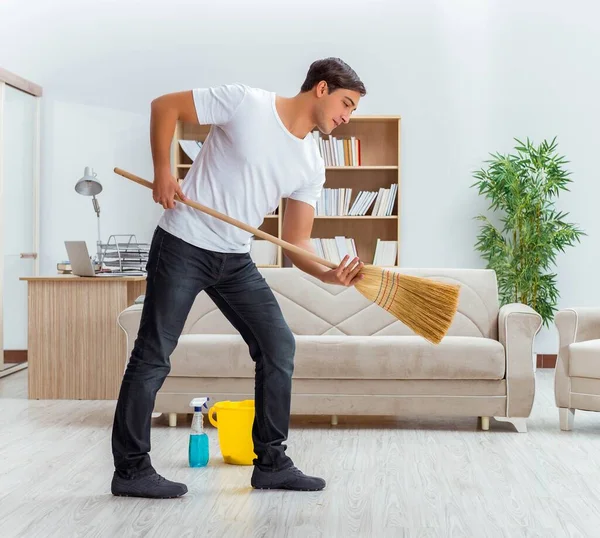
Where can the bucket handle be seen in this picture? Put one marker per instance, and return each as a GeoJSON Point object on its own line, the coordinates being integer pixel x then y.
{"type": "Point", "coordinates": [211, 416]}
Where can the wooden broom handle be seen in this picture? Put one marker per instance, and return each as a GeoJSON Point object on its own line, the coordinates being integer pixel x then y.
{"type": "Point", "coordinates": [239, 224]}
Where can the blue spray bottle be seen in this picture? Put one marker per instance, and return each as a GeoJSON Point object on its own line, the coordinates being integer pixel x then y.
{"type": "Point", "coordinates": [198, 447]}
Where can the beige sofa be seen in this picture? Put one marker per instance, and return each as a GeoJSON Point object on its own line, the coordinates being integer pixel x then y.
{"type": "Point", "coordinates": [577, 374]}
{"type": "Point", "coordinates": [352, 357]}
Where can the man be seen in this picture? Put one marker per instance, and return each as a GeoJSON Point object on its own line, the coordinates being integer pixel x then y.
{"type": "Point", "coordinates": [260, 149]}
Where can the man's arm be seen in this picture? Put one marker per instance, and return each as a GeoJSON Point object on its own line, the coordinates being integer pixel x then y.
{"type": "Point", "coordinates": [297, 227]}
{"type": "Point", "coordinates": [165, 111]}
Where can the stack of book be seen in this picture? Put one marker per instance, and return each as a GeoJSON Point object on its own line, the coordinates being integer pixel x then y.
{"type": "Point", "coordinates": [263, 252]}
{"type": "Point", "coordinates": [339, 151]}
{"type": "Point", "coordinates": [334, 249]}
{"type": "Point", "coordinates": [336, 202]}
{"type": "Point", "coordinates": [386, 253]}
{"type": "Point", "coordinates": [384, 202]}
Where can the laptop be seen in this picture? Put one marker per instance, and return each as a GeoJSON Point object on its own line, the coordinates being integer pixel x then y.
{"type": "Point", "coordinates": [81, 264]}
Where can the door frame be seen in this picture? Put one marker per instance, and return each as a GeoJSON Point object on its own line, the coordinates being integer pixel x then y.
{"type": "Point", "coordinates": [11, 79]}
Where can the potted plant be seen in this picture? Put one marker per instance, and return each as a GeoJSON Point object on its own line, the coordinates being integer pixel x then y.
{"type": "Point", "coordinates": [522, 188]}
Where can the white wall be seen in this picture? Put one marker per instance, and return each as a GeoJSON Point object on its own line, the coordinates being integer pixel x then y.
{"type": "Point", "coordinates": [76, 136]}
{"type": "Point", "coordinates": [466, 77]}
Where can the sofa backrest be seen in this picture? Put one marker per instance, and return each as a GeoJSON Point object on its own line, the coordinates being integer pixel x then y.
{"type": "Point", "coordinates": [313, 308]}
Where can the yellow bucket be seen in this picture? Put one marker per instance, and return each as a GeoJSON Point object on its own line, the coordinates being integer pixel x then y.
{"type": "Point", "coordinates": [234, 423]}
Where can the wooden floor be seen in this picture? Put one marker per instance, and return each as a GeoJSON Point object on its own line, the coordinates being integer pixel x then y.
{"type": "Point", "coordinates": [388, 478]}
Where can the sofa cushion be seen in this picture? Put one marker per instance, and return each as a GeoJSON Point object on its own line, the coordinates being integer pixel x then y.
{"type": "Point", "coordinates": [584, 359]}
{"type": "Point", "coordinates": [348, 357]}
{"type": "Point", "coordinates": [311, 307]}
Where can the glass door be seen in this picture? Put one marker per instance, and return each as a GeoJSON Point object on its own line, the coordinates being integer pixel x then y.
{"type": "Point", "coordinates": [19, 116]}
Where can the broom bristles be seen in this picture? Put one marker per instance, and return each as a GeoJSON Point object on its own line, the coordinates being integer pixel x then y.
{"type": "Point", "coordinates": [424, 305]}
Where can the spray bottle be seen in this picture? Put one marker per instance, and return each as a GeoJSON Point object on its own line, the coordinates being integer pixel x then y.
{"type": "Point", "coordinates": [198, 447]}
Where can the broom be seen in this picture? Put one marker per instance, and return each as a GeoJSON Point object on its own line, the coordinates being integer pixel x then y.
{"type": "Point", "coordinates": [424, 305]}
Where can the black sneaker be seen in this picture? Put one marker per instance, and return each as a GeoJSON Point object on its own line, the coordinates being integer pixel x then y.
{"type": "Point", "coordinates": [152, 486]}
{"type": "Point", "coordinates": [291, 478]}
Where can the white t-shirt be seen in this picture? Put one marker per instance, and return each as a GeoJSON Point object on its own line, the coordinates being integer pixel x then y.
{"type": "Point", "coordinates": [248, 162]}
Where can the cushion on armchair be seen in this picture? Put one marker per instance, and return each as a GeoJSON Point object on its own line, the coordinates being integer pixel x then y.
{"type": "Point", "coordinates": [585, 359]}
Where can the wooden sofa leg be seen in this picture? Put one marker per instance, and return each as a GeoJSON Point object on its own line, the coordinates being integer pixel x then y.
{"type": "Point", "coordinates": [172, 419]}
{"type": "Point", "coordinates": [485, 423]}
{"type": "Point", "coordinates": [334, 420]}
{"type": "Point", "coordinates": [519, 423]}
{"type": "Point", "coordinates": [567, 417]}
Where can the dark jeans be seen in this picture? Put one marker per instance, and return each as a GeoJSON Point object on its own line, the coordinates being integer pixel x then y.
{"type": "Point", "coordinates": [177, 272]}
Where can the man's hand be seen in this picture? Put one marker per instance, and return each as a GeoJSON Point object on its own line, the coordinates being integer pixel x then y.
{"type": "Point", "coordinates": [165, 187]}
{"type": "Point", "coordinates": [344, 275]}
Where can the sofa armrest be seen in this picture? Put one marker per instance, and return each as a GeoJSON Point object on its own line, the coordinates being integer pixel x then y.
{"type": "Point", "coordinates": [573, 325]}
{"type": "Point", "coordinates": [129, 321]}
{"type": "Point", "coordinates": [517, 326]}
{"type": "Point", "coordinates": [577, 324]}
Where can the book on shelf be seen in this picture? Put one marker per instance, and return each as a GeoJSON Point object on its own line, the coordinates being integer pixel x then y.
{"type": "Point", "coordinates": [333, 202]}
{"type": "Point", "coordinates": [386, 253]}
{"type": "Point", "coordinates": [336, 202]}
{"type": "Point", "coordinates": [339, 151]}
{"type": "Point", "coordinates": [384, 203]}
{"type": "Point", "coordinates": [335, 248]}
{"type": "Point", "coordinates": [263, 252]}
{"type": "Point", "coordinates": [191, 148]}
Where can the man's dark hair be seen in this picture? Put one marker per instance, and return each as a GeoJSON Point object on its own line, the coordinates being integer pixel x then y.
{"type": "Point", "coordinates": [337, 73]}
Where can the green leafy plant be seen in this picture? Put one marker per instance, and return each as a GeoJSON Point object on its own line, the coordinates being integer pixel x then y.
{"type": "Point", "coordinates": [522, 188]}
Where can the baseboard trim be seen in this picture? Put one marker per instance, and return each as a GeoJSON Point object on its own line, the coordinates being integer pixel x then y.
{"type": "Point", "coordinates": [15, 356]}
{"type": "Point", "coordinates": [11, 369]}
{"type": "Point", "coordinates": [20, 356]}
{"type": "Point", "coordinates": [546, 360]}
